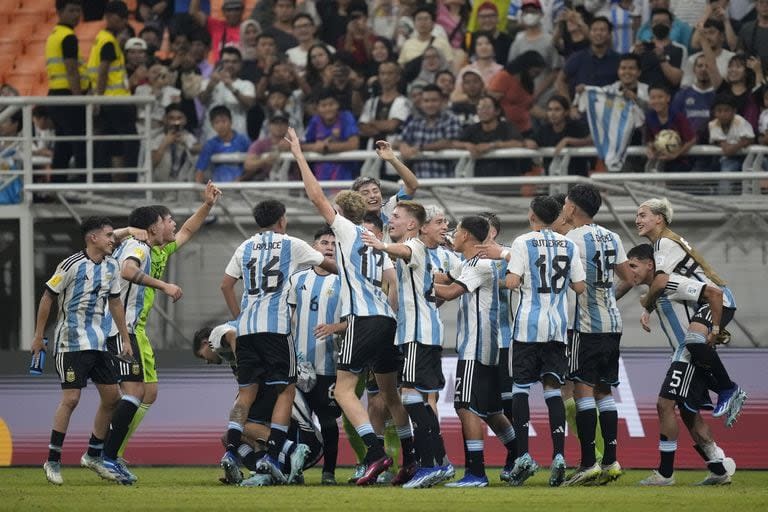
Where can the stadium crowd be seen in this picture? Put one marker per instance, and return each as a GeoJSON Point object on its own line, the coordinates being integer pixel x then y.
{"type": "Point", "coordinates": [424, 76]}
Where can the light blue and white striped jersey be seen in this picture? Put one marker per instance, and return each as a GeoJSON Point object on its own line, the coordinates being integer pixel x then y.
{"type": "Point", "coordinates": [265, 262]}
{"type": "Point", "coordinates": [83, 289]}
{"type": "Point", "coordinates": [670, 257]}
{"type": "Point", "coordinates": [389, 205]}
{"type": "Point", "coordinates": [675, 307]}
{"type": "Point", "coordinates": [132, 295]}
{"type": "Point", "coordinates": [315, 301]}
{"type": "Point", "coordinates": [215, 341]}
{"type": "Point", "coordinates": [360, 270]}
{"type": "Point", "coordinates": [417, 316]}
{"type": "Point", "coordinates": [547, 263]}
{"type": "Point", "coordinates": [505, 305]}
{"type": "Point", "coordinates": [623, 34]}
{"type": "Point", "coordinates": [600, 250]}
{"type": "Point", "coordinates": [477, 326]}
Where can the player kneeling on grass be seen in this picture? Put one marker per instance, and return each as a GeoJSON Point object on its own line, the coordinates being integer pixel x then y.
{"type": "Point", "coordinates": [686, 385]}
{"type": "Point", "coordinates": [304, 444]}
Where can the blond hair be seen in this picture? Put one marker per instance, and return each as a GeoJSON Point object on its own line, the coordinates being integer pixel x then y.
{"type": "Point", "coordinates": [352, 205]}
{"type": "Point", "coordinates": [660, 207]}
{"type": "Point", "coordinates": [432, 211]}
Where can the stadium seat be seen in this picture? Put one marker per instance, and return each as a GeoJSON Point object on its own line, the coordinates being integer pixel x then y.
{"type": "Point", "coordinates": [34, 49]}
{"type": "Point", "coordinates": [10, 46]}
{"type": "Point", "coordinates": [8, 6]}
{"type": "Point", "coordinates": [30, 64]}
{"type": "Point", "coordinates": [6, 63]}
{"type": "Point", "coordinates": [18, 30]}
{"type": "Point", "coordinates": [29, 16]}
{"type": "Point", "coordinates": [23, 82]}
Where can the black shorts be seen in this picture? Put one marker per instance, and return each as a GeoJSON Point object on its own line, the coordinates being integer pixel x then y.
{"type": "Point", "coordinates": [532, 361]}
{"type": "Point", "coordinates": [369, 343]}
{"type": "Point", "coordinates": [423, 367]}
{"type": "Point", "coordinates": [265, 358]}
{"type": "Point", "coordinates": [505, 379]}
{"type": "Point", "coordinates": [261, 408]}
{"type": "Point", "coordinates": [75, 368]}
{"type": "Point", "coordinates": [477, 388]}
{"type": "Point", "coordinates": [594, 358]}
{"type": "Point", "coordinates": [688, 386]}
{"type": "Point", "coordinates": [321, 398]}
{"type": "Point", "coordinates": [126, 372]}
{"type": "Point", "coordinates": [703, 316]}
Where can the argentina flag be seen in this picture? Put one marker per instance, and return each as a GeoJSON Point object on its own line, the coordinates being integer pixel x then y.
{"type": "Point", "coordinates": [611, 120]}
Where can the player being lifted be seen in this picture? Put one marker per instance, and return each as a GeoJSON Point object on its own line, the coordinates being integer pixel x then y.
{"type": "Point", "coordinates": [594, 364]}
{"type": "Point", "coordinates": [84, 284]}
{"type": "Point", "coordinates": [478, 393]}
{"type": "Point", "coordinates": [369, 339]}
{"type": "Point", "coordinates": [265, 352]}
{"type": "Point", "coordinates": [686, 385]}
{"type": "Point", "coordinates": [673, 254]}
{"type": "Point", "coordinates": [543, 264]}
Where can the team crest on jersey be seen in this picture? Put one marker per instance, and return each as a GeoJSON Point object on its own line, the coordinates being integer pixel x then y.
{"type": "Point", "coordinates": [55, 280]}
{"type": "Point", "coordinates": [331, 291]}
{"type": "Point", "coordinates": [69, 376]}
{"type": "Point", "coordinates": [139, 253]}
{"type": "Point", "coordinates": [135, 368]}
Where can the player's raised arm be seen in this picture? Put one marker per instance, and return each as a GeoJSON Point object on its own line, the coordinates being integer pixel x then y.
{"type": "Point", "coordinates": [311, 185]}
{"type": "Point", "coordinates": [123, 233]}
{"type": "Point", "coordinates": [410, 182]}
{"type": "Point", "coordinates": [401, 251]}
{"type": "Point", "coordinates": [211, 194]}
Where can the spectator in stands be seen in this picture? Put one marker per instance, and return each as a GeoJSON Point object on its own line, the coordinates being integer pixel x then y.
{"type": "Point", "coordinates": [514, 86]}
{"type": "Point", "coordinates": [265, 151]}
{"type": "Point", "coordinates": [435, 131]}
{"type": "Point", "coordinates": [432, 62]}
{"type": "Point", "coordinates": [713, 38]}
{"type": "Point", "coordinates": [343, 87]}
{"type": "Point", "coordinates": [482, 57]}
{"type": "Point", "coordinates": [42, 131]}
{"type": "Point", "coordinates": [107, 65]}
{"type": "Point", "coordinates": [222, 32]}
{"type": "Point", "coordinates": [286, 102]}
{"type": "Point", "coordinates": [445, 80]}
{"type": "Point", "coordinates": [154, 39]}
{"type": "Point", "coordinates": [319, 72]}
{"type": "Point", "coordinates": [304, 30]}
{"type": "Point", "coordinates": [762, 134]}
{"type": "Point", "coordinates": [264, 56]}
{"type": "Point", "coordinates": [224, 88]}
{"type": "Point", "coordinates": [136, 62]}
{"type": "Point", "coordinates": [381, 51]}
{"type": "Point", "coordinates": [464, 104]}
{"type": "Point", "coordinates": [730, 131]}
{"type": "Point", "coordinates": [173, 150]}
{"type": "Point", "coordinates": [385, 113]}
{"type": "Point", "coordinates": [66, 77]}
{"type": "Point", "coordinates": [159, 87]}
{"type": "Point", "coordinates": [225, 140]}
{"type": "Point", "coordinates": [332, 130]}
{"type": "Point", "coordinates": [154, 13]}
{"type": "Point", "coordinates": [534, 38]}
{"type": "Point", "coordinates": [753, 35]}
{"type": "Point", "coordinates": [660, 117]}
{"type": "Point", "coordinates": [625, 16]}
{"type": "Point", "coordinates": [10, 158]}
{"type": "Point", "coordinates": [489, 134]}
{"type": "Point", "coordinates": [661, 59]}
{"type": "Point", "coordinates": [453, 16]}
{"type": "Point", "coordinates": [743, 74]}
{"type": "Point", "coordinates": [561, 131]}
{"type": "Point", "coordinates": [629, 84]}
{"type": "Point", "coordinates": [716, 10]}
{"type": "Point", "coordinates": [282, 26]}
{"type": "Point", "coordinates": [249, 39]}
{"type": "Point", "coordinates": [422, 38]}
{"type": "Point", "coordinates": [680, 32]}
{"type": "Point", "coordinates": [359, 38]}
{"type": "Point", "coordinates": [199, 49]}
{"type": "Point", "coordinates": [596, 65]}
{"type": "Point", "coordinates": [281, 74]}
{"type": "Point", "coordinates": [488, 21]}
{"type": "Point", "coordinates": [334, 15]}
{"type": "Point", "coordinates": [571, 33]}
{"type": "Point", "coordinates": [695, 100]}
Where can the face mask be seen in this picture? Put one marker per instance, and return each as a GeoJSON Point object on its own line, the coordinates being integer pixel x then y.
{"type": "Point", "coordinates": [531, 19]}
{"type": "Point", "coordinates": [660, 31]}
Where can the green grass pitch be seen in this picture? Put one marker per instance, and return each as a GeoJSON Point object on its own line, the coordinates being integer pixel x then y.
{"type": "Point", "coordinates": [197, 488]}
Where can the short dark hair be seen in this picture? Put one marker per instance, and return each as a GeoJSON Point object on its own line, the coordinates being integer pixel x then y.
{"type": "Point", "coordinates": [264, 36]}
{"type": "Point", "coordinates": [163, 210]}
{"type": "Point", "coordinates": [562, 100]}
{"type": "Point", "coordinates": [587, 198]}
{"type": "Point", "coordinates": [323, 231]}
{"type": "Point", "coordinates": [545, 208]}
{"type": "Point", "coordinates": [327, 93]}
{"type": "Point", "coordinates": [268, 212]}
{"type": "Point", "coordinates": [560, 198]}
{"type": "Point", "coordinates": [476, 226]}
{"type": "Point", "coordinates": [200, 34]}
{"type": "Point", "coordinates": [725, 98]}
{"type": "Point", "coordinates": [661, 10]}
{"type": "Point", "coordinates": [364, 180]}
{"type": "Point", "coordinates": [199, 338]}
{"type": "Point", "coordinates": [641, 252]}
{"type": "Point", "coordinates": [231, 50]}
{"type": "Point", "coordinates": [492, 219]}
{"type": "Point", "coordinates": [715, 23]}
{"type": "Point", "coordinates": [432, 88]}
{"type": "Point", "coordinates": [661, 86]}
{"type": "Point", "coordinates": [93, 223]}
{"type": "Point", "coordinates": [373, 219]}
{"type": "Point", "coordinates": [304, 16]}
{"type": "Point", "coordinates": [41, 111]}
{"type": "Point", "coordinates": [414, 209]}
{"type": "Point", "coordinates": [444, 72]}
{"type": "Point", "coordinates": [143, 217]}
{"type": "Point", "coordinates": [219, 111]}
{"type": "Point", "coordinates": [633, 57]}
{"type": "Point", "coordinates": [61, 4]}
{"type": "Point", "coordinates": [151, 28]}
{"type": "Point", "coordinates": [605, 20]}
{"type": "Point", "coordinates": [424, 8]}
{"type": "Point", "coordinates": [174, 107]}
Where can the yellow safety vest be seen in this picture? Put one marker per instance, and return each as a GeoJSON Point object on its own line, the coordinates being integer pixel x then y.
{"type": "Point", "coordinates": [117, 79]}
{"type": "Point", "coordinates": [54, 60]}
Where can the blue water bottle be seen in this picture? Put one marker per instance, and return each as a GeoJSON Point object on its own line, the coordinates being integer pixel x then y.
{"type": "Point", "coordinates": [38, 361]}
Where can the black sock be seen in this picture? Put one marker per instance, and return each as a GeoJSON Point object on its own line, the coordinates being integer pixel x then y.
{"type": "Point", "coordinates": [422, 433]}
{"type": "Point", "coordinates": [609, 425]}
{"type": "Point", "coordinates": [509, 440]}
{"type": "Point", "coordinates": [715, 467]}
{"type": "Point", "coordinates": [705, 356]}
{"type": "Point", "coordinates": [406, 446]}
{"type": "Point", "coordinates": [375, 448]}
{"type": "Point", "coordinates": [475, 462]}
{"type": "Point", "coordinates": [54, 447]}
{"type": "Point", "coordinates": [667, 450]}
{"type": "Point", "coordinates": [330, 430]}
{"type": "Point", "coordinates": [556, 409]}
{"type": "Point", "coordinates": [522, 415]}
{"type": "Point", "coordinates": [586, 422]}
{"type": "Point", "coordinates": [438, 445]}
{"type": "Point", "coordinates": [234, 437]}
{"type": "Point", "coordinates": [121, 421]}
{"type": "Point", "coordinates": [248, 456]}
{"type": "Point", "coordinates": [95, 445]}
{"type": "Point", "coordinates": [277, 437]}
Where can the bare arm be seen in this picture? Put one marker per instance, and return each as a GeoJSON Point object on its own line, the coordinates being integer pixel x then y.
{"type": "Point", "coordinates": [118, 315]}
{"type": "Point", "coordinates": [195, 11]}
{"type": "Point", "coordinates": [579, 287]}
{"type": "Point", "coordinates": [193, 224]}
{"type": "Point", "coordinates": [43, 311]}
{"type": "Point", "coordinates": [449, 291]}
{"type": "Point", "coordinates": [401, 251]}
{"type": "Point", "coordinates": [350, 144]}
{"type": "Point", "coordinates": [311, 185]}
{"type": "Point", "coordinates": [329, 265]}
{"type": "Point", "coordinates": [228, 290]}
{"type": "Point", "coordinates": [655, 290]}
{"type": "Point", "coordinates": [389, 277]}
{"type": "Point", "coordinates": [513, 281]}
{"type": "Point", "coordinates": [101, 78]}
{"type": "Point", "coordinates": [73, 76]}
{"type": "Point", "coordinates": [123, 233]}
{"type": "Point", "coordinates": [130, 271]}
{"type": "Point", "coordinates": [410, 182]}
{"type": "Point", "coordinates": [714, 297]}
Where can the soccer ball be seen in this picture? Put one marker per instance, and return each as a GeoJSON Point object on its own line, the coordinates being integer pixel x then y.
{"type": "Point", "coordinates": [667, 142]}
